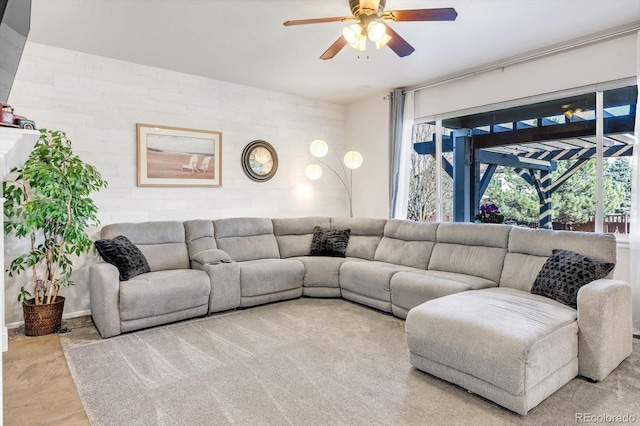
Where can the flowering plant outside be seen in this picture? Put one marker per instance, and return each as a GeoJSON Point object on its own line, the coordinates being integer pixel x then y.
{"type": "Point", "coordinates": [489, 213]}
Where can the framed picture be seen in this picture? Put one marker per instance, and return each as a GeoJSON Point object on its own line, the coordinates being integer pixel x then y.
{"type": "Point", "coordinates": [173, 156]}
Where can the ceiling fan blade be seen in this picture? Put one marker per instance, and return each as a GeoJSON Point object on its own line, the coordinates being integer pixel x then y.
{"type": "Point", "coordinates": [443, 14]}
{"type": "Point", "coordinates": [398, 44]}
{"type": "Point", "coordinates": [318, 20]}
{"type": "Point", "coordinates": [334, 48]}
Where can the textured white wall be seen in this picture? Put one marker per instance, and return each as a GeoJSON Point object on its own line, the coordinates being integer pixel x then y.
{"type": "Point", "coordinates": [98, 102]}
{"type": "Point", "coordinates": [368, 132]}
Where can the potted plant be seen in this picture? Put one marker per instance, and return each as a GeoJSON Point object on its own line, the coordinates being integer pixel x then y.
{"type": "Point", "coordinates": [489, 213]}
{"type": "Point", "coordinates": [48, 201]}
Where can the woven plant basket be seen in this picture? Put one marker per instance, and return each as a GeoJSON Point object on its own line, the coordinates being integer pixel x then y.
{"type": "Point", "coordinates": [42, 319]}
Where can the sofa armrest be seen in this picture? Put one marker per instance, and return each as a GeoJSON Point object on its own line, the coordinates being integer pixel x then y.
{"type": "Point", "coordinates": [104, 297]}
{"type": "Point", "coordinates": [211, 256]}
{"type": "Point", "coordinates": [225, 284]}
{"type": "Point", "coordinates": [605, 330]}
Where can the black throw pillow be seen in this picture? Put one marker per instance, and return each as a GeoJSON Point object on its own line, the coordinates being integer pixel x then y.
{"type": "Point", "coordinates": [565, 272]}
{"type": "Point", "coordinates": [124, 255]}
{"type": "Point", "coordinates": [329, 242]}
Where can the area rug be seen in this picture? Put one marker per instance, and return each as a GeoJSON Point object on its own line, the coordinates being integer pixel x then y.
{"type": "Point", "coordinates": [303, 362]}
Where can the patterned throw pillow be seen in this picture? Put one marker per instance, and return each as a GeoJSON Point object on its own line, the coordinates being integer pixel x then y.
{"type": "Point", "coordinates": [124, 255]}
{"type": "Point", "coordinates": [565, 272]}
{"type": "Point", "coordinates": [329, 242]}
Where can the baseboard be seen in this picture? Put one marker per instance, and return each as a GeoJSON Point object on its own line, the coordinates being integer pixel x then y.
{"type": "Point", "coordinates": [64, 316]}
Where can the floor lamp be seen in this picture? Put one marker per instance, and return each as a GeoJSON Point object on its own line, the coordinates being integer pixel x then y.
{"type": "Point", "coordinates": [352, 160]}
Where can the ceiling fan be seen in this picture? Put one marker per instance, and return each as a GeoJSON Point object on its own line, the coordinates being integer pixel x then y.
{"type": "Point", "coordinates": [370, 24]}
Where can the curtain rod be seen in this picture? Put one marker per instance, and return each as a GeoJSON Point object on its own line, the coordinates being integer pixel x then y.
{"type": "Point", "coordinates": [532, 55]}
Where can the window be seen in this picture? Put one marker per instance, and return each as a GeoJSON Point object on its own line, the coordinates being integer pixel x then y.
{"type": "Point", "coordinates": [546, 164]}
{"type": "Point", "coordinates": [423, 195]}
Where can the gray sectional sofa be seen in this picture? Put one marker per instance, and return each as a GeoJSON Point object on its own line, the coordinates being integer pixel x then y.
{"type": "Point", "coordinates": [463, 288]}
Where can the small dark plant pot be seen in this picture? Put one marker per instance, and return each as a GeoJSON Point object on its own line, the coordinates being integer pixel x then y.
{"type": "Point", "coordinates": [42, 319]}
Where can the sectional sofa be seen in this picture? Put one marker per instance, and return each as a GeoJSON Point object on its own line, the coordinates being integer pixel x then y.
{"type": "Point", "coordinates": [463, 288]}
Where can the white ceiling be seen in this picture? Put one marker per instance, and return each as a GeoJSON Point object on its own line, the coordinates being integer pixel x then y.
{"type": "Point", "coordinates": [244, 41]}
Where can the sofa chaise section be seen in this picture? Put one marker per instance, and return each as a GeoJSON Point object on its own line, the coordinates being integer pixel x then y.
{"type": "Point", "coordinates": [604, 306]}
{"type": "Point", "coordinates": [511, 347]}
{"type": "Point", "coordinates": [264, 276]}
{"type": "Point", "coordinates": [517, 348]}
{"type": "Point", "coordinates": [170, 292]}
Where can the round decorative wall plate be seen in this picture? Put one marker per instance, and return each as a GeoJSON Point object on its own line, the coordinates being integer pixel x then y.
{"type": "Point", "coordinates": [259, 161]}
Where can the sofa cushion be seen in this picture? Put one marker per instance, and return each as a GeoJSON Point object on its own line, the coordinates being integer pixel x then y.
{"type": "Point", "coordinates": [506, 337]}
{"type": "Point", "coordinates": [412, 288]}
{"type": "Point", "coordinates": [565, 272]}
{"type": "Point", "coordinates": [163, 292]}
{"type": "Point", "coordinates": [329, 242]}
{"type": "Point", "coordinates": [530, 248]}
{"type": "Point", "coordinates": [199, 236]}
{"type": "Point", "coordinates": [246, 238]}
{"type": "Point", "coordinates": [407, 243]}
{"type": "Point", "coordinates": [294, 234]}
{"type": "Point", "coordinates": [124, 255]}
{"type": "Point", "coordinates": [323, 271]}
{"type": "Point", "coordinates": [365, 235]}
{"type": "Point", "coordinates": [371, 279]}
{"type": "Point", "coordinates": [162, 243]}
{"type": "Point", "coordinates": [471, 249]}
{"type": "Point", "coordinates": [265, 276]}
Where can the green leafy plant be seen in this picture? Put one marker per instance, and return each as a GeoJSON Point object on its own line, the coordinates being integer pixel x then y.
{"type": "Point", "coordinates": [49, 202]}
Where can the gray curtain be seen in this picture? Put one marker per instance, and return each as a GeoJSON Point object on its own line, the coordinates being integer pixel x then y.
{"type": "Point", "coordinates": [395, 145]}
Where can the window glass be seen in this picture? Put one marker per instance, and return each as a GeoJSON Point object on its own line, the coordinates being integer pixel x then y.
{"type": "Point", "coordinates": [617, 193]}
{"type": "Point", "coordinates": [423, 197]}
{"type": "Point", "coordinates": [516, 199]}
{"type": "Point", "coordinates": [422, 180]}
{"type": "Point", "coordinates": [447, 186]}
{"type": "Point", "coordinates": [553, 120]}
{"type": "Point", "coordinates": [502, 127]}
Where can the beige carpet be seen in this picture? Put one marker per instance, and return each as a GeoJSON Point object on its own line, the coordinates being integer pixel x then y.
{"type": "Point", "coordinates": [302, 362]}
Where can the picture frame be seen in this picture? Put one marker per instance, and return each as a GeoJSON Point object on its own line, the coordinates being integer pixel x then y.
{"type": "Point", "coordinates": [175, 156]}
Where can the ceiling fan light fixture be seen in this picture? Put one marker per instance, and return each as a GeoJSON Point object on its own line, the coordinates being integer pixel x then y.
{"type": "Point", "coordinates": [383, 41]}
{"type": "Point", "coordinates": [352, 33]}
{"type": "Point", "coordinates": [376, 31]}
{"type": "Point", "coordinates": [361, 44]}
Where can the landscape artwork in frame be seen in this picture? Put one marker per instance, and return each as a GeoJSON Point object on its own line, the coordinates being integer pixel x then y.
{"type": "Point", "coordinates": [173, 156]}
